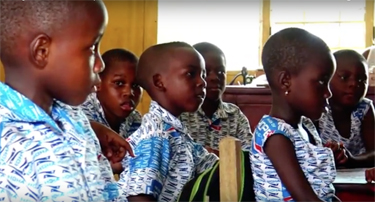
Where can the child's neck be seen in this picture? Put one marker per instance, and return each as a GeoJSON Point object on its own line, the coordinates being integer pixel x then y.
{"type": "Point", "coordinates": [30, 89]}
{"type": "Point", "coordinates": [280, 109]}
{"type": "Point", "coordinates": [113, 121]}
{"type": "Point", "coordinates": [209, 107]}
{"type": "Point", "coordinates": [341, 110]}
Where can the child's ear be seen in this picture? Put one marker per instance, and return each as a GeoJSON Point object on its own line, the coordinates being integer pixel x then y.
{"type": "Point", "coordinates": [158, 82]}
{"type": "Point", "coordinates": [284, 80]}
{"type": "Point", "coordinates": [40, 48]}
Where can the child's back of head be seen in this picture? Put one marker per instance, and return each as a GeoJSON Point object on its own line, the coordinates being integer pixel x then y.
{"type": "Point", "coordinates": [173, 75]}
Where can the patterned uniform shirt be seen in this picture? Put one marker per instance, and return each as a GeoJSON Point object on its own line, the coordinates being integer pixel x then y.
{"type": "Point", "coordinates": [354, 143]}
{"type": "Point", "coordinates": [94, 111]}
{"type": "Point", "coordinates": [316, 161]}
{"type": "Point", "coordinates": [228, 120]}
{"type": "Point", "coordinates": [49, 158]}
{"type": "Point", "coordinates": [166, 157]}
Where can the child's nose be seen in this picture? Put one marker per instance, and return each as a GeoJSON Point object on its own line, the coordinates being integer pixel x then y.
{"type": "Point", "coordinates": [202, 83]}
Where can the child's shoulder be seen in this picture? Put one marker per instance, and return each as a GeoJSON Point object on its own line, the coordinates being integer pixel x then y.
{"type": "Point", "coordinates": [230, 108]}
{"type": "Point", "coordinates": [362, 108]}
{"type": "Point", "coordinates": [269, 125]}
{"type": "Point", "coordinates": [151, 126]}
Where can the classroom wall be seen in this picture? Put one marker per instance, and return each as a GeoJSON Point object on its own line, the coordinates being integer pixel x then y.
{"type": "Point", "coordinates": [132, 25]}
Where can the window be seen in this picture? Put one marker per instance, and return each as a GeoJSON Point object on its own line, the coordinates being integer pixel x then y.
{"type": "Point", "coordinates": [231, 25]}
{"type": "Point", "coordinates": [341, 24]}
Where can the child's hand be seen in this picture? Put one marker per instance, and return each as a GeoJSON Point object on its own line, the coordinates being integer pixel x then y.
{"type": "Point", "coordinates": [209, 149]}
{"type": "Point", "coordinates": [339, 152]}
{"type": "Point", "coordinates": [370, 175]}
{"type": "Point", "coordinates": [117, 168]}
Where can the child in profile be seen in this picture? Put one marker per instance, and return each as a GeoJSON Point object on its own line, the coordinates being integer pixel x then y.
{"type": "Point", "coordinates": [288, 159]}
{"type": "Point", "coordinates": [216, 119]}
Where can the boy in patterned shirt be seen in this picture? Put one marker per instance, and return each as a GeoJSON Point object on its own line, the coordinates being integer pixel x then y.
{"type": "Point", "coordinates": [166, 157]}
{"type": "Point", "coordinates": [117, 96]}
{"type": "Point", "coordinates": [50, 54]}
{"type": "Point", "coordinates": [216, 119]}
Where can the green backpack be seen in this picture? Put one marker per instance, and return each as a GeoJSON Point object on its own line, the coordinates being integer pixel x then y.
{"type": "Point", "coordinates": [208, 184]}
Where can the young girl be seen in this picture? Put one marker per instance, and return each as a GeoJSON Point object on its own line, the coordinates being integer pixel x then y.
{"type": "Point", "coordinates": [351, 118]}
{"type": "Point", "coordinates": [288, 160]}
{"type": "Point", "coordinates": [216, 119]}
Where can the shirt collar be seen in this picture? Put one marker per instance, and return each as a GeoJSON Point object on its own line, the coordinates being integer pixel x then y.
{"type": "Point", "coordinates": [222, 111]}
{"type": "Point", "coordinates": [167, 117]}
{"type": "Point", "coordinates": [26, 110]}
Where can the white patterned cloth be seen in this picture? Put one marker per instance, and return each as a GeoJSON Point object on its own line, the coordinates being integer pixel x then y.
{"type": "Point", "coordinates": [94, 111]}
{"type": "Point", "coordinates": [228, 120]}
{"type": "Point", "coordinates": [166, 157]}
{"type": "Point", "coordinates": [354, 143]}
{"type": "Point", "coordinates": [316, 161]}
{"type": "Point", "coordinates": [49, 158]}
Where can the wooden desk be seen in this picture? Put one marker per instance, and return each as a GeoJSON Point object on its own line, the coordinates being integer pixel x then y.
{"type": "Point", "coordinates": [255, 102]}
{"type": "Point", "coordinates": [351, 185]}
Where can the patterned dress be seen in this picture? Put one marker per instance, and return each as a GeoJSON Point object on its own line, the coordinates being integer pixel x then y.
{"type": "Point", "coordinates": [166, 157]}
{"type": "Point", "coordinates": [49, 158]}
{"type": "Point", "coordinates": [316, 161]}
{"type": "Point", "coordinates": [354, 143]}
{"type": "Point", "coordinates": [94, 111]}
{"type": "Point", "coordinates": [228, 120]}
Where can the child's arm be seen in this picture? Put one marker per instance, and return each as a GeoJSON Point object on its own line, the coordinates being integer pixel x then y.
{"type": "Point", "coordinates": [367, 132]}
{"type": "Point", "coordinates": [204, 159]}
{"type": "Point", "coordinates": [145, 175]}
{"type": "Point", "coordinates": [243, 130]}
{"type": "Point", "coordinates": [368, 129]}
{"type": "Point", "coordinates": [280, 151]}
{"type": "Point", "coordinates": [113, 145]}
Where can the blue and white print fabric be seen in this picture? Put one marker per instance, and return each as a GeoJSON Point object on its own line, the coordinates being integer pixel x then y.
{"type": "Point", "coordinates": [316, 161]}
{"type": "Point", "coordinates": [228, 120]}
{"type": "Point", "coordinates": [166, 157]}
{"type": "Point", "coordinates": [94, 111]}
{"type": "Point", "coordinates": [49, 158]}
{"type": "Point", "coordinates": [354, 143]}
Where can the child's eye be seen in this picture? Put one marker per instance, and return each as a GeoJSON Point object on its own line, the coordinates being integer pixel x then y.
{"type": "Point", "coordinates": [119, 83]}
{"type": "Point", "coordinates": [343, 77]}
{"type": "Point", "coordinates": [362, 80]}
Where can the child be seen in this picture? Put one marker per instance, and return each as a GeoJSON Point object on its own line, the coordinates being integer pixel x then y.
{"type": "Point", "coordinates": [117, 95]}
{"type": "Point", "coordinates": [351, 118]}
{"type": "Point", "coordinates": [166, 156]}
{"type": "Point", "coordinates": [50, 54]}
{"type": "Point", "coordinates": [216, 119]}
{"type": "Point", "coordinates": [288, 160]}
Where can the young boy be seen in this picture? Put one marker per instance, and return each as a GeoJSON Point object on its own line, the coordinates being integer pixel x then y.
{"type": "Point", "coordinates": [50, 54]}
{"type": "Point", "coordinates": [117, 96]}
{"type": "Point", "coordinates": [166, 156]}
{"type": "Point", "coordinates": [216, 119]}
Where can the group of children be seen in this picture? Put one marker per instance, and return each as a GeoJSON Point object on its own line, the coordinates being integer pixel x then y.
{"type": "Point", "coordinates": [57, 118]}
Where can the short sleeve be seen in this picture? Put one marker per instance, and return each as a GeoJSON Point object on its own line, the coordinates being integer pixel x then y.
{"type": "Point", "coordinates": [204, 160]}
{"type": "Point", "coordinates": [267, 127]}
{"type": "Point", "coordinates": [243, 130]}
{"type": "Point", "coordinates": [362, 109]}
{"type": "Point", "coordinates": [147, 171]}
{"type": "Point", "coordinates": [92, 109]}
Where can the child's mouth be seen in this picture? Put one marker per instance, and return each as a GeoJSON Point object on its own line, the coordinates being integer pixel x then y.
{"type": "Point", "coordinates": [126, 107]}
